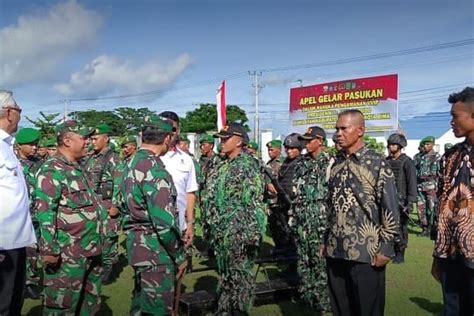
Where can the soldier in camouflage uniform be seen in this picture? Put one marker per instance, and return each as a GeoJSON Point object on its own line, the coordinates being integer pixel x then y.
{"type": "Point", "coordinates": [102, 167]}
{"type": "Point", "coordinates": [27, 140]}
{"type": "Point", "coordinates": [128, 144]}
{"type": "Point", "coordinates": [308, 219]}
{"type": "Point", "coordinates": [69, 213]}
{"type": "Point", "coordinates": [234, 198]}
{"type": "Point", "coordinates": [427, 167]}
{"type": "Point", "coordinates": [206, 144]}
{"type": "Point", "coordinates": [154, 244]}
{"type": "Point", "coordinates": [252, 148]}
{"type": "Point", "coordinates": [275, 218]}
{"type": "Point", "coordinates": [42, 152]}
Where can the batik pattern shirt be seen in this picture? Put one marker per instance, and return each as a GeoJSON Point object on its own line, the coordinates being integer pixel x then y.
{"type": "Point", "coordinates": [363, 213]}
{"type": "Point", "coordinates": [456, 204]}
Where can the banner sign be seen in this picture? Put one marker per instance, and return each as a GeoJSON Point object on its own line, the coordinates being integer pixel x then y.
{"type": "Point", "coordinates": [376, 97]}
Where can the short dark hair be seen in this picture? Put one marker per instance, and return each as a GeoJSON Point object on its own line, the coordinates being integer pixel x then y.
{"type": "Point", "coordinates": [170, 115]}
{"type": "Point", "coordinates": [350, 112]}
{"type": "Point", "coordinates": [465, 96]}
{"type": "Point", "coordinates": [153, 135]}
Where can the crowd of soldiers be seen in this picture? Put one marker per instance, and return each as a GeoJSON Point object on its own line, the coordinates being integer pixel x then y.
{"type": "Point", "coordinates": [83, 193]}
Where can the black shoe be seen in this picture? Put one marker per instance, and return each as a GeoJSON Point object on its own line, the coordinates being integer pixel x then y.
{"type": "Point", "coordinates": [399, 258]}
{"type": "Point", "coordinates": [32, 291]}
{"type": "Point", "coordinates": [107, 275]}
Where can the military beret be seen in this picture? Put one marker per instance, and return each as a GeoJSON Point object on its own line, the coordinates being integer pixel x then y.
{"type": "Point", "coordinates": [253, 145]}
{"type": "Point", "coordinates": [397, 139]}
{"type": "Point", "coordinates": [73, 127]}
{"type": "Point", "coordinates": [275, 143]}
{"type": "Point", "coordinates": [427, 139]}
{"type": "Point", "coordinates": [312, 133]}
{"type": "Point", "coordinates": [27, 135]}
{"type": "Point", "coordinates": [159, 122]}
{"type": "Point", "coordinates": [206, 139]}
{"type": "Point", "coordinates": [102, 128]}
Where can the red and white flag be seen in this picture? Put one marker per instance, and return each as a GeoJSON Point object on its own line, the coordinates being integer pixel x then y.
{"type": "Point", "coordinates": [221, 111]}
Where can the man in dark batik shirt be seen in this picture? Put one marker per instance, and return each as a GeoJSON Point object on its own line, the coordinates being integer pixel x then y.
{"type": "Point", "coordinates": [363, 222]}
{"type": "Point", "coordinates": [453, 262]}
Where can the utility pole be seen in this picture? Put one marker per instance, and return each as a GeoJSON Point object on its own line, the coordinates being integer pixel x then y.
{"type": "Point", "coordinates": [66, 105]}
{"type": "Point", "coordinates": [257, 87]}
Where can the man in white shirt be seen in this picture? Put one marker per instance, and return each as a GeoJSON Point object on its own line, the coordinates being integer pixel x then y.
{"type": "Point", "coordinates": [181, 167]}
{"type": "Point", "coordinates": [16, 227]}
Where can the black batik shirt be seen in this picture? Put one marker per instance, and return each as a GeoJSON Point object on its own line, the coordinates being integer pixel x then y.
{"type": "Point", "coordinates": [363, 213]}
{"type": "Point", "coordinates": [456, 205]}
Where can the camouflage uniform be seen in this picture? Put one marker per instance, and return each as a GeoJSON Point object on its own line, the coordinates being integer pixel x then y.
{"type": "Point", "coordinates": [102, 168]}
{"type": "Point", "coordinates": [234, 199]}
{"type": "Point", "coordinates": [276, 219]}
{"type": "Point", "coordinates": [427, 167]}
{"type": "Point", "coordinates": [33, 271]}
{"type": "Point", "coordinates": [153, 235]}
{"type": "Point", "coordinates": [308, 221]}
{"type": "Point", "coordinates": [69, 213]}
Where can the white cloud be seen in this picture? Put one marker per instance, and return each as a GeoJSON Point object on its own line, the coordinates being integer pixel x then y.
{"type": "Point", "coordinates": [33, 47]}
{"type": "Point", "coordinates": [106, 74]}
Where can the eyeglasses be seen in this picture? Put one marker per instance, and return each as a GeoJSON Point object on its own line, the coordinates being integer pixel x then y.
{"type": "Point", "coordinates": [12, 108]}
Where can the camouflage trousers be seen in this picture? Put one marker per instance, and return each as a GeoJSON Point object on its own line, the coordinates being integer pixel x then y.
{"type": "Point", "coordinates": [237, 281]}
{"type": "Point", "coordinates": [74, 287]}
{"type": "Point", "coordinates": [33, 270]}
{"type": "Point", "coordinates": [426, 207]}
{"type": "Point", "coordinates": [311, 268]}
{"type": "Point", "coordinates": [278, 223]}
{"type": "Point", "coordinates": [111, 242]}
{"type": "Point", "coordinates": [154, 290]}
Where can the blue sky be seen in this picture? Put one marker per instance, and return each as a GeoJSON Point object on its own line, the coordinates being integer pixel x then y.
{"type": "Point", "coordinates": [56, 50]}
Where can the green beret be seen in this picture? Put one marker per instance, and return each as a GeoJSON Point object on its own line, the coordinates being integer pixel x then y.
{"type": "Point", "coordinates": [102, 128]}
{"type": "Point", "coordinates": [159, 122]}
{"type": "Point", "coordinates": [276, 143]}
{"type": "Point", "coordinates": [427, 139]}
{"type": "Point", "coordinates": [206, 139]}
{"type": "Point", "coordinates": [27, 135]}
{"type": "Point", "coordinates": [73, 127]}
{"type": "Point", "coordinates": [253, 145]}
{"type": "Point", "coordinates": [127, 139]}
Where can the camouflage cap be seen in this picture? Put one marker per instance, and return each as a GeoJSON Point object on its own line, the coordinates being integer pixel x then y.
{"type": "Point", "coordinates": [253, 145]}
{"type": "Point", "coordinates": [183, 138]}
{"type": "Point", "coordinates": [102, 128]}
{"type": "Point", "coordinates": [73, 127]}
{"type": "Point", "coordinates": [27, 135]}
{"type": "Point", "coordinates": [313, 132]}
{"type": "Point", "coordinates": [50, 142]}
{"type": "Point", "coordinates": [127, 139]}
{"type": "Point", "coordinates": [159, 122]}
{"type": "Point", "coordinates": [427, 139]}
{"type": "Point", "coordinates": [206, 139]}
{"type": "Point", "coordinates": [275, 143]}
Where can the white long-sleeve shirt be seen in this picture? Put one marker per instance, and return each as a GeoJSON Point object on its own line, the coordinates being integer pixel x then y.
{"type": "Point", "coordinates": [16, 228]}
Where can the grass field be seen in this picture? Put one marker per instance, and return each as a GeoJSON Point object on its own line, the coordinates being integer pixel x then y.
{"type": "Point", "coordinates": [410, 288]}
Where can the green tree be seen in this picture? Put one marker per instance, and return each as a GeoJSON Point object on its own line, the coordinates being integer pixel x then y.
{"type": "Point", "coordinates": [373, 144]}
{"type": "Point", "coordinates": [92, 118]}
{"type": "Point", "coordinates": [204, 118]}
{"type": "Point", "coordinates": [46, 123]}
{"type": "Point", "coordinates": [133, 118]}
